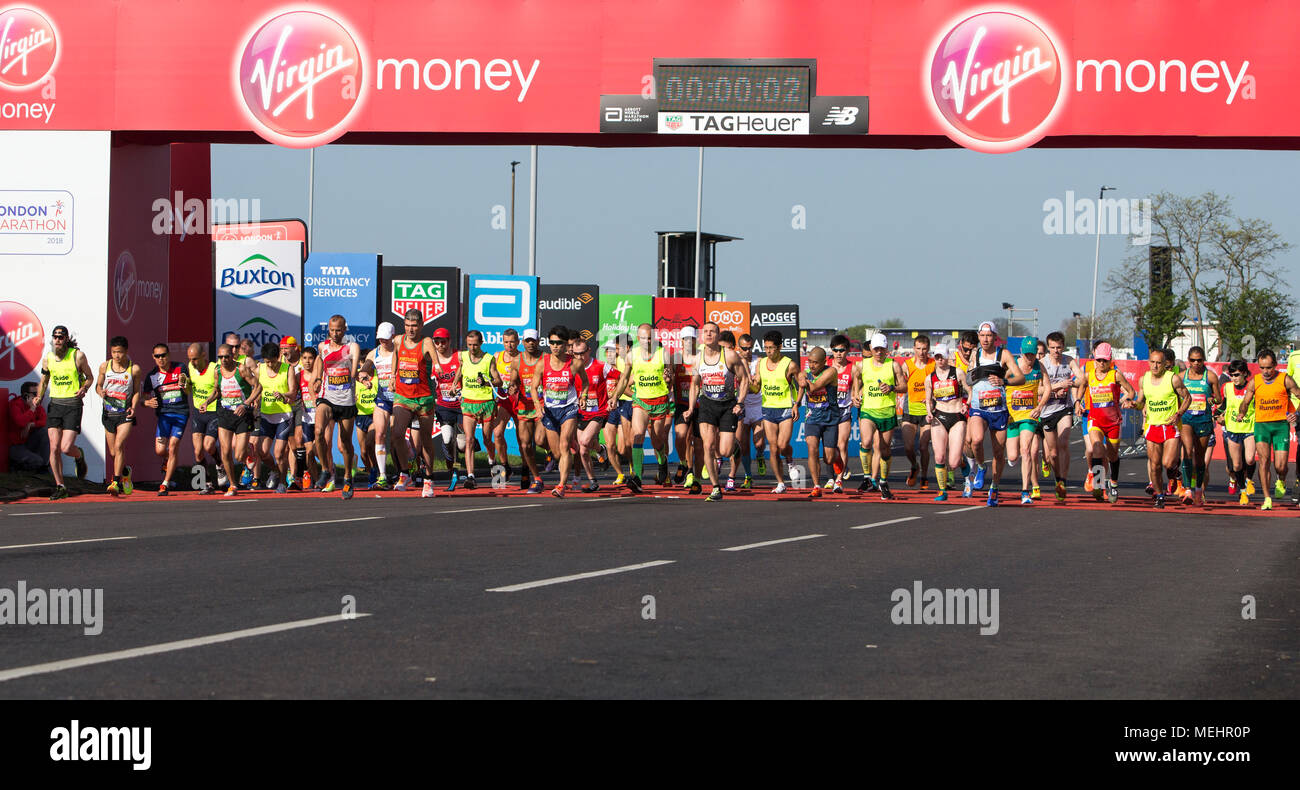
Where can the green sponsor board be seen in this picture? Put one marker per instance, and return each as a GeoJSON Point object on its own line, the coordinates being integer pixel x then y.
{"type": "Point", "coordinates": [623, 313]}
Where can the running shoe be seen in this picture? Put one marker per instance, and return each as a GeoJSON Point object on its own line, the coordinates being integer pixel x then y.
{"type": "Point", "coordinates": [403, 482]}
{"type": "Point", "coordinates": [979, 479]}
{"type": "Point", "coordinates": [829, 484]}
{"type": "Point", "coordinates": [1295, 495]}
{"type": "Point", "coordinates": [992, 501]}
{"type": "Point", "coordinates": [1180, 491]}
{"type": "Point", "coordinates": [550, 464]}
{"type": "Point", "coordinates": [330, 487]}
{"type": "Point", "coordinates": [911, 477]}
{"type": "Point", "coordinates": [1189, 496]}
{"type": "Point", "coordinates": [470, 483]}
{"type": "Point", "coordinates": [838, 489]}
{"type": "Point", "coordinates": [558, 491]}
{"type": "Point", "coordinates": [966, 489]}
{"type": "Point", "coordinates": [591, 487]}
{"type": "Point", "coordinates": [525, 479]}
{"type": "Point", "coordinates": [282, 489]}
{"type": "Point", "coordinates": [747, 483]}
{"type": "Point", "coordinates": [1099, 493]}
{"type": "Point", "coordinates": [780, 488]}
{"type": "Point", "coordinates": [371, 478]}
{"type": "Point", "coordinates": [925, 484]}
{"type": "Point", "coordinates": [815, 493]}
{"type": "Point", "coordinates": [1150, 489]}
{"type": "Point", "coordinates": [1045, 469]}
{"type": "Point", "coordinates": [1200, 497]}
{"type": "Point", "coordinates": [426, 492]}
{"type": "Point", "coordinates": [207, 490]}
{"type": "Point", "coordinates": [253, 486]}
{"type": "Point", "coordinates": [1087, 482]}
{"type": "Point", "coordinates": [1036, 493]}
{"type": "Point", "coordinates": [1060, 490]}
{"type": "Point", "coordinates": [865, 485]}
{"type": "Point", "coordinates": [306, 480]}
{"type": "Point", "coordinates": [272, 479]}
{"type": "Point", "coordinates": [127, 485]}
{"type": "Point", "coordinates": [731, 484]}
{"type": "Point", "coordinates": [1268, 503]}
{"type": "Point", "coordinates": [618, 481]}
{"type": "Point", "coordinates": [246, 478]}
{"type": "Point", "coordinates": [662, 477]}
{"type": "Point", "coordinates": [347, 488]}
{"type": "Point", "coordinates": [943, 497]}
{"type": "Point", "coordinates": [715, 495]}
{"type": "Point", "coordinates": [81, 465]}
{"type": "Point", "coordinates": [762, 466]}
{"type": "Point", "coordinates": [602, 458]}
{"type": "Point", "coordinates": [231, 491]}
{"type": "Point", "coordinates": [704, 473]}
{"type": "Point", "coordinates": [1232, 488]}
{"type": "Point", "coordinates": [689, 481]}
{"type": "Point", "coordinates": [1244, 500]}
{"type": "Point", "coordinates": [113, 488]}
{"type": "Point", "coordinates": [455, 478]}
{"type": "Point", "coordinates": [885, 493]}
{"type": "Point", "coordinates": [381, 484]}
{"type": "Point", "coordinates": [1279, 489]}
{"type": "Point", "coordinates": [697, 489]}
{"type": "Point", "coordinates": [1250, 486]}
{"type": "Point", "coordinates": [1112, 492]}
{"type": "Point", "coordinates": [1025, 498]}
{"type": "Point", "coordinates": [1160, 502]}
{"type": "Point", "coordinates": [162, 490]}
{"type": "Point", "coordinates": [536, 487]}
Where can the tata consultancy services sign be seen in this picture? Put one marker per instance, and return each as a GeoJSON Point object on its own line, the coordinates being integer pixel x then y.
{"type": "Point", "coordinates": [258, 290]}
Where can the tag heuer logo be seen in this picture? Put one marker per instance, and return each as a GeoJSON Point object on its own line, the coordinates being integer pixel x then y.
{"type": "Point", "coordinates": [427, 296]}
{"type": "Point", "coordinates": [673, 122]}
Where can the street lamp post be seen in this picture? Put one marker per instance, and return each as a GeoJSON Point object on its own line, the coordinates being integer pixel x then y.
{"type": "Point", "coordinates": [1096, 262]}
{"type": "Point", "coordinates": [513, 165]}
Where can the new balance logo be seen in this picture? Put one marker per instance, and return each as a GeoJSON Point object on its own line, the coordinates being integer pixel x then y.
{"type": "Point", "coordinates": [841, 116]}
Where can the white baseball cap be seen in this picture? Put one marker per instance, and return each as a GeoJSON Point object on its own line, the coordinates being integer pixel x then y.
{"type": "Point", "coordinates": [878, 341]}
{"type": "Point", "coordinates": [689, 331]}
{"type": "Point", "coordinates": [385, 331]}
{"type": "Point", "coordinates": [530, 334]}
{"type": "Point", "coordinates": [939, 350]}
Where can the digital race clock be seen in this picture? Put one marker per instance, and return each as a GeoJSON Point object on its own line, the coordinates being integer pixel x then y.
{"type": "Point", "coordinates": [733, 86]}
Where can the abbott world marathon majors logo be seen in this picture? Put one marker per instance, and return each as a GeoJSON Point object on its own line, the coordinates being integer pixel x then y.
{"type": "Point", "coordinates": [996, 81]}
{"type": "Point", "coordinates": [29, 47]}
{"type": "Point", "coordinates": [301, 77]}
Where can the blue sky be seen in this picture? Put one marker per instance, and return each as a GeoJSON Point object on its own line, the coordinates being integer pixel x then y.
{"type": "Point", "coordinates": [936, 237]}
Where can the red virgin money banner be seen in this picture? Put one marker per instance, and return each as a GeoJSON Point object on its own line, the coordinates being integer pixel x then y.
{"type": "Point", "coordinates": [992, 77]}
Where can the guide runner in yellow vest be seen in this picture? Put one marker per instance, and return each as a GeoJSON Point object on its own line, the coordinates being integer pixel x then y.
{"type": "Point", "coordinates": [776, 382]}
{"type": "Point", "coordinates": [475, 378]}
{"type": "Point", "coordinates": [1163, 398]}
{"type": "Point", "coordinates": [201, 381]}
{"type": "Point", "coordinates": [652, 404]}
{"type": "Point", "coordinates": [67, 374]}
{"type": "Point", "coordinates": [1274, 417]}
{"type": "Point", "coordinates": [1238, 430]}
{"type": "Point", "coordinates": [877, 383]}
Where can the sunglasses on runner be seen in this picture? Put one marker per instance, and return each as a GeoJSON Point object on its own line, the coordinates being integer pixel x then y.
{"type": "Point", "coordinates": [223, 356]}
{"type": "Point", "coordinates": [160, 356]}
{"type": "Point", "coordinates": [839, 350]}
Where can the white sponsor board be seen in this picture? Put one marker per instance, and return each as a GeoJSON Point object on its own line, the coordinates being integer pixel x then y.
{"type": "Point", "coordinates": [733, 123]}
{"type": "Point", "coordinates": [56, 281]}
{"type": "Point", "coordinates": [258, 290]}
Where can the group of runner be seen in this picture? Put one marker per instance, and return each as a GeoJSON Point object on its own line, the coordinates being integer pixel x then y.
{"type": "Point", "coordinates": [274, 423]}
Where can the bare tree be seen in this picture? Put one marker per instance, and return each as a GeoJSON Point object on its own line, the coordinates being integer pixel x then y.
{"type": "Point", "coordinates": [1195, 225]}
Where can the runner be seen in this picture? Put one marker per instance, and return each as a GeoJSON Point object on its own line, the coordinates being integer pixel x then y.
{"type": "Point", "coordinates": [476, 381]}
{"type": "Point", "coordinates": [446, 362]}
{"type": "Point", "coordinates": [527, 413]}
{"type": "Point", "coordinates": [1163, 398]}
{"type": "Point", "coordinates": [309, 387]}
{"type": "Point", "coordinates": [164, 392]}
{"type": "Point", "coordinates": [413, 399]}
{"type": "Point", "coordinates": [966, 345]}
{"type": "Point", "coordinates": [593, 405]}
{"type": "Point", "coordinates": [554, 386]}
{"type": "Point", "coordinates": [336, 370]}
{"type": "Point", "coordinates": [876, 387]}
{"type": "Point", "coordinates": [201, 375]}
{"type": "Point", "coordinates": [992, 368]}
{"type": "Point", "coordinates": [686, 429]}
{"type": "Point", "coordinates": [1293, 370]}
{"type": "Point", "coordinates": [615, 387]}
{"type": "Point", "coordinates": [1238, 430]}
{"type": "Point", "coordinates": [819, 385]}
{"type": "Point", "coordinates": [292, 356]}
{"type": "Point", "coordinates": [367, 393]}
{"type": "Point", "coordinates": [1058, 411]}
{"type": "Point", "coordinates": [1102, 387]}
{"type": "Point", "coordinates": [750, 437]}
{"type": "Point", "coordinates": [1025, 404]}
{"type": "Point", "coordinates": [720, 376]}
{"type": "Point", "coordinates": [1274, 417]}
{"type": "Point", "coordinates": [277, 394]}
{"type": "Point", "coordinates": [507, 364]}
{"type": "Point", "coordinates": [943, 404]}
{"type": "Point", "coordinates": [844, 402]}
{"type": "Point", "coordinates": [236, 394]}
{"type": "Point", "coordinates": [776, 379]}
{"type": "Point", "coordinates": [652, 404]}
{"type": "Point", "coordinates": [381, 359]}
{"type": "Point", "coordinates": [67, 374]}
{"type": "Point", "coordinates": [119, 387]}
{"type": "Point", "coordinates": [1197, 431]}
{"type": "Point", "coordinates": [916, 437]}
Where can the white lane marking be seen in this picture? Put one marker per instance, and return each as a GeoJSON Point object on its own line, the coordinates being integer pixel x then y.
{"type": "Point", "coordinates": [302, 523]}
{"type": "Point", "coordinates": [1077, 441]}
{"type": "Point", "coordinates": [166, 647]}
{"type": "Point", "coordinates": [577, 576]}
{"type": "Point", "coordinates": [477, 509]}
{"type": "Point", "coordinates": [961, 509]}
{"type": "Point", "coordinates": [770, 543]}
{"type": "Point", "coordinates": [63, 542]}
{"type": "Point", "coordinates": [883, 523]}
{"type": "Point", "coordinates": [38, 513]}
{"type": "Point", "coordinates": [236, 501]}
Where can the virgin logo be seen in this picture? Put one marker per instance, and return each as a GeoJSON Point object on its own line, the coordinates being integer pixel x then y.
{"type": "Point", "coordinates": [300, 78]}
{"type": "Point", "coordinates": [124, 286]}
{"type": "Point", "coordinates": [996, 81]}
{"type": "Point", "coordinates": [20, 341]}
{"type": "Point", "coordinates": [28, 48]}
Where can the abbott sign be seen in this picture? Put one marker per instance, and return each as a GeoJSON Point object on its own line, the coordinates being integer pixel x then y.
{"type": "Point", "coordinates": [497, 303]}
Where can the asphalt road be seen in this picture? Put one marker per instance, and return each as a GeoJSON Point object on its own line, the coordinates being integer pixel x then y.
{"type": "Point", "coordinates": [1092, 601]}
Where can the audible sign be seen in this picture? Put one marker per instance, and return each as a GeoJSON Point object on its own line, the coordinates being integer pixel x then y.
{"type": "Point", "coordinates": [784, 318]}
{"type": "Point", "coordinates": [574, 306]}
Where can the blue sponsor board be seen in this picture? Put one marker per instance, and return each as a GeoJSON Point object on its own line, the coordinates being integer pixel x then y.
{"type": "Point", "coordinates": [497, 302]}
{"type": "Point", "coordinates": [340, 283]}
